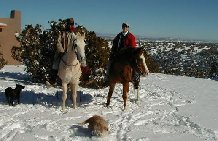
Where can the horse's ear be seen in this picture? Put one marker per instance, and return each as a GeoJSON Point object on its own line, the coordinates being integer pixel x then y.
{"type": "Point", "coordinates": [84, 35]}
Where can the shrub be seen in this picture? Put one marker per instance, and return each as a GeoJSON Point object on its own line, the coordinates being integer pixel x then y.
{"type": "Point", "coordinates": [38, 48]}
{"type": "Point", "coordinates": [3, 62]}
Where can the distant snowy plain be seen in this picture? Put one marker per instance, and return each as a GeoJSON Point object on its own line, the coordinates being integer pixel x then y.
{"type": "Point", "coordinates": [171, 108]}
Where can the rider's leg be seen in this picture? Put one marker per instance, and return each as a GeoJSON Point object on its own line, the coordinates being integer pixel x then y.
{"type": "Point", "coordinates": [136, 79]}
{"type": "Point", "coordinates": [53, 75]}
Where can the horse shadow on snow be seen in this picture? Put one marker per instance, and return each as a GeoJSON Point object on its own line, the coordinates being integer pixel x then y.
{"type": "Point", "coordinates": [48, 100]}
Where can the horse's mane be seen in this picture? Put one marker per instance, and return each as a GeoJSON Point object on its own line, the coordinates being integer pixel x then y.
{"type": "Point", "coordinates": [126, 53]}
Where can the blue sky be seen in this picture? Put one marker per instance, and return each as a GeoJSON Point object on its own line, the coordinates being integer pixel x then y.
{"type": "Point", "coordinates": [187, 19]}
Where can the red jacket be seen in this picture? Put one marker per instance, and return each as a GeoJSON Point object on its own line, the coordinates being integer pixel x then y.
{"type": "Point", "coordinates": [130, 41]}
{"type": "Point", "coordinates": [72, 29]}
{"type": "Point", "coordinates": [121, 41]}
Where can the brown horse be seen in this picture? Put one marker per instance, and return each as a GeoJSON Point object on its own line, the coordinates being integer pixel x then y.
{"type": "Point", "coordinates": [127, 61]}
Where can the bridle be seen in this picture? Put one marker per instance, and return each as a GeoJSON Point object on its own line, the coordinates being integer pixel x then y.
{"type": "Point", "coordinates": [71, 65]}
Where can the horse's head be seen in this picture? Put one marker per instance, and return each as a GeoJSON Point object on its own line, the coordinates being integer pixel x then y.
{"type": "Point", "coordinates": [140, 64]}
{"type": "Point", "coordinates": [79, 45]}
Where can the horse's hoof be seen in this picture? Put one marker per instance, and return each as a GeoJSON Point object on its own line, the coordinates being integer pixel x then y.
{"type": "Point", "coordinates": [107, 105]}
{"type": "Point", "coordinates": [137, 101]}
{"type": "Point", "coordinates": [74, 106]}
{"type": "Point", "coordinates": [63, 110]}
{"type": "Point", "coordinates": [124, 108]}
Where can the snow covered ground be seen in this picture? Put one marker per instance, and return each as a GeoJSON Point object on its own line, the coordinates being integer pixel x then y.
{"type": "Point", "coordinates": [170, 108]}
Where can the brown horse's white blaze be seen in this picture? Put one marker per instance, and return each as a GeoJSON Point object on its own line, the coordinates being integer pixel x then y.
{"type": "Point", "coordinates": [144, 68]}
{"type": "Point", "coordinates": [69, 68]}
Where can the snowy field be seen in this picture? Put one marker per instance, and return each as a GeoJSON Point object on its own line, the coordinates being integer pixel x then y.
{"type": "Point", "coordinates": [171, 108]}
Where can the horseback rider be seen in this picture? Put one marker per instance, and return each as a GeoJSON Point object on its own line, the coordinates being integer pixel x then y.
{"type": "Point", "coordinates": [63, 42]}
{"type": "Point", "coordinates": [123, 40]}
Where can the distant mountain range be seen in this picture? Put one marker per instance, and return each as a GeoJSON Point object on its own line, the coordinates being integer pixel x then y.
{"type": "Point", "coordinates": [109, 36]}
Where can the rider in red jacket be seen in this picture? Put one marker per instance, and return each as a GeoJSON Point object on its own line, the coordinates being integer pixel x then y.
{"type": "Point", "coordinates": [122, 40]}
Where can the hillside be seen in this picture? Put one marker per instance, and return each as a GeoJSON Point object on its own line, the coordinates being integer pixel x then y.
{"type": "Point", "coordinates": [193, 59]}
{"type": "Point", "coordinates": [170, 108]}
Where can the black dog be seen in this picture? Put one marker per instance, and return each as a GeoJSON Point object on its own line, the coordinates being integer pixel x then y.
{"type": "Point", "coordinates": [13, 95]}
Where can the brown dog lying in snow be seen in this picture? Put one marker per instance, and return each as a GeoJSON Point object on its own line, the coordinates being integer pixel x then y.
{"type": "Point", "coordinates": [97, 125]}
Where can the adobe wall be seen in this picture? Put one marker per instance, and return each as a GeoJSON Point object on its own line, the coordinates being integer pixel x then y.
{"type": "Point", "coordinates": [7, 35]}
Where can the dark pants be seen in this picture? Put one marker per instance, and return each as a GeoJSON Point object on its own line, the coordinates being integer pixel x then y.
{"type": "Point", "coordinates": [135, 79]}
{"type": "Point", "coordinates": [53, 76]}
{"type": "Point", "coordinates": [57, 59]}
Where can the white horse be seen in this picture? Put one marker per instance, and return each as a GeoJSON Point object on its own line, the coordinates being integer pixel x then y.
{"type": "Point", "coordinates": [69, 68]}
